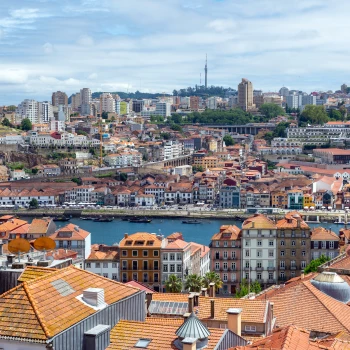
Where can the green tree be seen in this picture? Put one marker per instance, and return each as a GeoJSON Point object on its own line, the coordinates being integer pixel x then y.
{"type": "Point", "coordinates": [245, 288]}
{"type": "Point", "coordinates": [11, 108]}
{"type": "Point", "coordinates": [271, 110]}
{"type": "Point", "coordinates": [6, 122]}
{"type": "Point", "coordinates": [313, 115]}
{"type": "Point", "coordinates": [193, 283]}
{"type": "Point", "coordinates": [176, 127]}
{"type": "Point", "coordinates": [77, 180]}
{"type": "Point", "coordinates": [104, 115]}
{"type": "Point", "coordinates": [165, 135]}
{"type": "Point", "coordinates": [82, 132]}
{"type": "Point", "coordinates": [212, 277]}
{"type": "Point", "coordinates": [197, 169]}
{"type": "Point", "coordinates": [123, 177]}
{"type": "Point", "coordinates": [34, 171]}
{"type": "Point", "coordinates": [314, 264]}
{"type": "Point", "coordinates": [26, 124]}
{"type": "Point", "coordinates": [173, 284]}
{"type": "Point", "coordinates": [268, 136]}
{"type": "Point", "coordinates": [228, 139]}
{"type": "Point", "coordinates": [33, 203]}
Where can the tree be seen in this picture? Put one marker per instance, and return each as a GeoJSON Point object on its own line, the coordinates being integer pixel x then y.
{"type": "Point", "coordinates": [245, 288]}
{"type": "Point", "coordinates": [34, 203]}
{"type": "Point", "coordinates": [123, 177]}
{"type": "Point", "coordinates": [176, 127]}
{"type": "Point", "coordinates": [228, 139]}
{"type": "Point", "coordinates": [173, 284]}
{"type": "Point", "coordinates": [197, 168]}
{"type": "Point", "coordinates": [271, 110]}
{"type": "Point", "coordinates": [212, 277]}
{"type": "Point", "coordinates": [104, 115]}
{"type": "Point", "coordinates": [314, 264]}
{"type": "Point", "coordinates": [26, 124]}
{"type": "Point", "coordinates": [165, 135]}
{"type": "Point", "coordinates": [313, 115]}
{"type": "Point", "coordinates": [268, 136]}
{"type": "Point", "coordinates": [11, 108]}
{"type": "Point", "coordinates": [82, 132]}
{"type": "Point", "coordinates": [193, 283]}
{"type": "Point", "coordinates": [77, 180]}
{"type": "Point", "coordinates": [6, 122]}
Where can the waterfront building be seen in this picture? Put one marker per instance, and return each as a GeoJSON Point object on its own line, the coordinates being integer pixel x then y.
{"type": "Point", "coordinates": [104, 261]}
{"type": "Point", "coordinates": [225, 257]}
{"type": "Point", "coordinates": [324, 242]}
{"type": "Point", "coordinates": [140, 258]}
{"type": "Point", "coordinates": [279, 199]}
{"type": "Point", "coordinates": [176, 260]}
{"type": "Point", "coordinates": [229, 195]}
{"type": "Point", "coordinates": [293, 246]}
{"type": "Point", "coordinates": [259, 250]}
{"type": "Point", "coordinates": [295, 199]}
{"type": "Point", "coordinates": [332, 155]}
{"type": "Point", "coordinates": [74, 238]}
{"type": "Point", "coordinates": [245, 95]}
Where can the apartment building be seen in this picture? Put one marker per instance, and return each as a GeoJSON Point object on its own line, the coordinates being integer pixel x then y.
{"type": "Point", "coordinates": [29, 109]}
{"type": "Point", "coordinates": [173, 149]}
{"type": "Point", "coordinates": [45, 112]}
{"type": "Point", "coordinates": [124, 159]}
{"type": "Point", "coordinates": [293, 246]}
{"type": "Point", "coordinates": [324, 242]}
{"type": "Point", "coordinates": [245, 95]}
{"type": "Point", "coordinates": [59, 98]}
{"type": "Point", "coordinates": [140, 258]}
{"type": "Point", "coordinates": [107, 103]}
{"type": "Point", "coordinates": [163, 109]}
{"type": "Point", "coordinates": [259, 250]}
{"type": "Point", "coordinates": [225, 257]}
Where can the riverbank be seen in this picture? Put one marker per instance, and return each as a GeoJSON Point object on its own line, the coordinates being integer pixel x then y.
{"type": "Point", "coordinates": [180, 214]}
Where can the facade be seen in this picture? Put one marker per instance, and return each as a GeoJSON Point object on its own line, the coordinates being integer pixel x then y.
{"type": "Point", "coordinates": [324, 242]}
{"type": "Point", "coordinates": [138, 105]}
{"type": "Point", "coordinates": [76, 101]}
{"type": "Point", "coordinates": [173, 149]}
{"type": "Point", "coordinates": [292, 101]}
{"type": "Point", "coordinates": [293, 246]}
{"type": "Point", "coordinates": [107, 103]}
{"type": "Point", "coordinates": [225, 257]}
{"type": "Point", "coordinates": [245, 95]}
{"type": "Point", "coordinates": [259, 250]}
{"type": "Point", "coordinates": [295, 199]}
{"type": "Point", "coordinates": [229, 195]}
{"type": "Point", "coordinates": [41, 228]}
{"type": "Point", "coordinates": [45, 112]}
{"type": "Point", "coordinates": [85, 96]}
{"type": "Point", "coordinates": [124, 159]}
{"type": "Point", "coordinates": [332, 155]}
{"type": "Point", "coordinates": [163, 109]}
{"type": "Point", "coordinates": [140, 258]}
{"type": "Point", "coordinates": [29, 109]}
{"type": "Point", "coordinates": [59, 98]}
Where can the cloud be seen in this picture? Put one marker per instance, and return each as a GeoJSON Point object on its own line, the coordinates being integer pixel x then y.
{"type": "Point", "coordinates": [93, 76]}
{"type": "Point", "coordinates": [13, 76]}
{"type": "Point", "coordinates": [48, 48]}
{"type": "Point", "coordinates": [85, 40]}
{"type": "Point", "coordinates": [223, 25]}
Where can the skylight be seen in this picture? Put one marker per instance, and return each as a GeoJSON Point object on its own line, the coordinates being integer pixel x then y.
{"type": "Point", "coordinates": [142, 343]}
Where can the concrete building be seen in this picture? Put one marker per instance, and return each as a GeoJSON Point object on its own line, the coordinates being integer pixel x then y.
{"type": "Point", "coordinates": [284, 91]}
{"type": "Point", "coordinates": [138, 105]}
{"type": "Point", "coordinates": [122, 107]}
{"type": "Point", "coordinates": [259, 250]}
{"type": "Point", "coordinates": [212, 102]}
{"type": "Point", "coordinates": [163, 109]}
{"type": "Point", "coordinates": [85, 95]}
{"type": "Point", "coordinates": [293, 246]}
{"type": "Point", "coordinates": [292, 101]}
{"type": "Point", "coordinates": [76, 101]}
{"type": "Point", "coordinates": [107, 103]}
{"type": "Point", "coordinates": [59, 98]}
{"type": "Point", "coordinates": [45, 112]}
{"type": "Point", "coordinates": [245, 95]}
{"type": "Point", "coordinates": [308, 100]}
{"type": "Point", "coordinates": [225, 257]}
{"type": "Point", "coordinates": [29, 109]}
{"type": "Point", "coordinates": [173, 149]}
{"type": "Point", "coordinates": [229, 195]}
{"type": "Point", "coordinates": [194, 102]}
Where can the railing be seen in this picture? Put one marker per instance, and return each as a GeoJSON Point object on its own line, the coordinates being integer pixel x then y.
{"type": "Point", "coordinates": [271, 268]}
{"type": "Point", "coordinates": [271, 281]}
{"type": "Point", "coordinates": [259, 269]}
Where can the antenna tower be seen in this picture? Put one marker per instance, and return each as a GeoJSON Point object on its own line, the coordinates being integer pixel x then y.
{"type": "Point", "coordinates": [206, 71]}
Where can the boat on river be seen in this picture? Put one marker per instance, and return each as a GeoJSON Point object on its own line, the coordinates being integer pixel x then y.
{"type": "Point", "coordinates": [102, 219]}
{"type": "Point", "coordinates": [193, 222]}
{"type": "Point", "coordinates": [140, 220]}
{"type": "Point", "coordinates": [61, 218]}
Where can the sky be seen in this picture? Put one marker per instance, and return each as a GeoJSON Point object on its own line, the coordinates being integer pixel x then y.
{"type": "Point", "coordinates": [160, 45]}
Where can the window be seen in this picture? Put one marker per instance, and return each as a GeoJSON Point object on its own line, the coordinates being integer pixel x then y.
{"type": "Point", "coordinates": [247, 264]}
{"type": "Point", "coordinates": [225, 243]}
{"type": "Point", "coordinates": [178, 256]}
{"type": "Point", "coordinates": [225, 277]}
{"type": "Point", "coordinates": [97, 265]}
{"type": "Point", "coordinates": [293, 243]}
{"type": "Point", "coordinates": [270, 276]}
{"type": "Point", "coordinates": [258, 264]}
{"type": "Point", "coordinates": [282, 252]}
{"type": "Point", "coordinates": [282, 275]}
{"type": "Point", "coordinates": [282, 243]}
{"type": "Point", "coordinates": [233, 266]}
{"type": "Point", "coordinates": [247, 253]}
{"type": "Point", "coordinates": [165, 268]}
{"type": "Point", "coordinates": [259, 253]}
{"type": "Point", "coordinates": [303, 253]}
{"type": "Point", "coordinates": [172, 256]}
{"type": "Point", "coordinates": [217, 266]}
{"type": "Point", "coordinates": [233, 244]}
{"type": "Point", "coordinates": [217, 244]}
{"type": "Point", "coordinates": [330, 255]}
{"type": "Point", "coordinates": [303, 264]}
{"type": "Point", "coordinates": [156, 265]}
{"type": "Point", "coordinates": [247, 243]}
{"type": "Point", "coordinates": [134, 276]}
{"type": "Point", "coordinates": [145, 277]}
{"type": "Point", "coordinates": [172, 268]}
{"type": "Point", "coordinates": [270, 243]}
{"type": "Point", "coordinates": [258, 276]}
{"type": "Point", "coordinates": [282, 264]}
{"type": "Point", "coordinates": [88, 265]}
{"type": "Point", "coordinates": [233, 255]}
{"type": "Point", "coordinates": [145, 265]}
{"type": "Point", "coordinates": [114, 277]}
{"type": "Point", "coordinates": [105, 275]}
{"type": "Point", "coordinates": [134, 253]}
{"type": "Point", "coordinates": [178, 268]}
{"type": "Point", "coordinates": [293, 252]}
{"type": "Point", "coordinates": [156, 277]}
{"type": "Point", "coordinates": [134, 265]}
{"type": "Point", "coordinates": [114, 265]}
{"type": "Point", "coordinates": [247, 276]}
{"type": "Point", "coordinates": [315, 244]}
{"type": "Point", "coordinates": [331, 244]}
{"type": "Point", "coordinates": [293, 233]}
{"type": "Point", "coordinates": [105, 265]}
{"type": "Point", "coordinates": [225, 255]}
{"type": "Point", "coordinates": [165, 256]}
{"type": "Point", "coordinates": [303, 243]}
{"type": "Point", "coordinates": [156, 253]}
{"type": "Point", "coordinates": [324, 244]}
{"type": "Point", "coordinates": [292, 274]}
{"type": "Point", "coordinates": [250, 328]}
{"type": "Point", "coordinates": [124, 278]}
{"type": "Point", "coordinates": [225, 265]}
{"type": "Point", "coordinates": [259, 243]}
{"type": "Point", "coordinates": [292, 263]}
{"type": "Point", "coordinates": [270, 253]}
{"type": "Point", "coordinates": [145, 253]}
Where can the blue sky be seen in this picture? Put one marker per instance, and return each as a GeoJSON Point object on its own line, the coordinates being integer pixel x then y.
{"type": "Point", "coordinates": [159, 45]}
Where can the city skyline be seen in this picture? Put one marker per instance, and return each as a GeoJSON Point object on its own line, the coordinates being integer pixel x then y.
{"type": "Point", "coordinates": [50, 45]}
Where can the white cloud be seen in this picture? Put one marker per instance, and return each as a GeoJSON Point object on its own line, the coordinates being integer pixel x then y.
{"type": "Point", "coordinates": [13, 76]}
{"type": "Point", "coordinates": [92, 76]}
{"type": "Point", "coordinates": [48, 48]}
{"type": "Point", "coordinates": [223, 25]}
{"type": "Point", "coordinates": [85, 40]}
{"type": "Point", "coordinates": [25, 13]}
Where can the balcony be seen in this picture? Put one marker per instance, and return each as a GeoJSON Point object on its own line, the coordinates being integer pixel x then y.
{"type": "Point", "coordinates": [271, 281]}
{"type": "Point", "coordinates": [247, 269]}
{"type": "Point", "coordinates": [259, 269]}
{"type": "Point", "coordinates": [293, 267]}
{"type": "Point", "coordinates": [271, 268]}
{"type": "Point", "coordinates": [282, 268]}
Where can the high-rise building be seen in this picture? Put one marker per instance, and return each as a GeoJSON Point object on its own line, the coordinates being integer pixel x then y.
{"type": "Point", "coordinates": [284, 91]}
{"type": "Point", "coordinates": [292, 101]}
{"type": "Point", "coordinates": [45, 112]}
{"type": "Point", "coordinates": [29, 109]}
{"type": "Point", "coordinates": [308, 100]}
{"type": "Point", "coordinates": [194, 102]}
{"type": "Point", "coordinates": [344, 88]}
{"type": "Point", "coordinates": [59, 98]}
{"type": "Point", "coordinates": [212, 102]}
{"type": "Point", "coordinates": [76, 101]}
{"type": "Point", "coordinates": [163, 109]}
{"type": "Point", "coordinates": [245, 95]}
{"type": "Point", "coordinates": [85, 108]}
{"type": "Point", "coordinates": [138, 105]}
{"type": "Point", "coordinates": [107, 103]}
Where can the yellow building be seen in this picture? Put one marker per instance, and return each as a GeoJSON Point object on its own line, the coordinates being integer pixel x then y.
{"type": "Point", "coordinates": [213, 145]}
{"type": "Point", "coordinates": [279, 199]}
{"type": "Point", "coordinates": [308, 201]}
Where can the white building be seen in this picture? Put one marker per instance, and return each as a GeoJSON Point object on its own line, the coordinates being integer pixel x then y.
{"type": "Point", "coordinates": [23, 198]}
{"type": "Point", "coordinates": [259, 249]}
{"type": "Point", "coordinates": [173, 149]}
{"type": "Point", "coordinates": [11, 139]}
{"type": "Point", "coordinates": [80, 194]}
{"type": "Point", "coordinates": [212, 102]}
{"type": "Point", "coordinates": [292, 101]}
{"type": "Point", "coordinates": [124, 159]}
{"type": "Point", "coordinates": [145, 200]}
{"type": "Point", "coordinates": [29, 109]}
{"type": "Point", "coordinates": [107, 103]}
{"type": "Point", "coordinates": [308, 100]}
{"type": "Point", "coordinates": [57, 125]}
{"type": "Point", "coordinates": [45, 112]}
{"type": "Point", "coordinates": [163, 109]}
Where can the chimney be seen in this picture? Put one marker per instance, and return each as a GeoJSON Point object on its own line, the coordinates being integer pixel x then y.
{"type": "Point", "coordinates": [196, 299]}
{"type": "Point", "coordinates": [204, 292]}
{"type": "Point", "coordinates": [190, 303]}
{"type": "Point", "coordinates": [302, 275]}
{"type": "Point", "coordinates": [234, 320]}
{"type": "Point", "coordinates": [189, 344]}
{"type": "Point", "coordinates": [94, 296]}
{"type": "Point", "coordinates": [125, 235]}
{"type": "Point", "coordinates": [186, 316]}
{"type": "Point", "coordinates": [253, 224]}
{"type": "Point", "coordinates": [148, 299]}
{"type": "Point", "coordinates": [212, 290]}
{"type": "Point", "coordinates": [212, 308]}
{"type": "Point", "coordinates": [298, 222]}
{"type": "Point", "coordinates": [272, 305]}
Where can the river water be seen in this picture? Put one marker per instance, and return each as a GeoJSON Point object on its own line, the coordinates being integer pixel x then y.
{"type": "Point", "coordinates": [112, 232]}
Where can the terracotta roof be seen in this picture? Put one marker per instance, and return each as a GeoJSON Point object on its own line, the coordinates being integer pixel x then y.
{"type": "Point", "coordinates": [292, 220]}
{"type": "Point", "coordinates": [126, 334]}
{"type": "Point", "coordinates": [33, 272]}
{"type": "Point", "coordinates": [148, 239]}
{"type": "Point", "coordinates": [99, 255]}
{"type": "Point", "coordinates": [39, 225]}
{"type": "Point", "coordinates": [168, 321]}
{"type": "Point", "coordinates": [37, 310]}
{"type": "Point", "coordinates": [323, 234]}
{"type": "Point", "coordinates": [140, 286]}
{"type": "Point", "coordinates": [259, 221]}
{"type": "Point", "coordinates": [177, 244]}
{"type": "Point", "coordinates": [77, 234]}
{"type": "Point", "coordinates": [227, 233]}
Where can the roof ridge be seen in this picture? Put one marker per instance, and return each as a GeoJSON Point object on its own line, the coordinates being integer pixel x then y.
{"type": "Point", "coordinates": [323, 304]}
{"type": "Point", "coordinates": [10, 290]}
{"type": "Point", "coordinates": [36, 312]}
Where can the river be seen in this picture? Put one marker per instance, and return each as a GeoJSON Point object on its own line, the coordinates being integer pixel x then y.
{"type": "Point", "coordinates": [112, 232]}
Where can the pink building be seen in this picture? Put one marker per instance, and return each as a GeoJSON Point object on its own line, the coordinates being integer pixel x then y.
{"type": "Point", "coordinates": [225, 257]}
